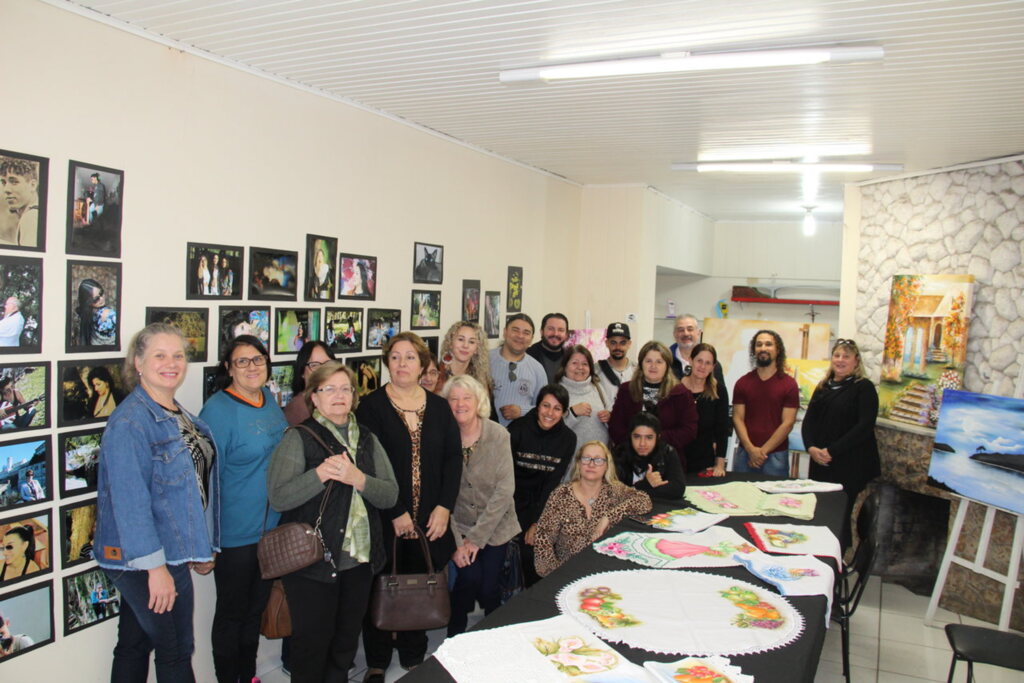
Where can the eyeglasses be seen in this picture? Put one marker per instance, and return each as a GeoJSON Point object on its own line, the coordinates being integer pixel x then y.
{"type": "Point", "coordinates": [431, 373]}
{"type": "Point", "coordinates": [588, 460]}
{"type": "Point", "coordinates": [242, 363]}
{"type": "Point", "coordinates": [512, 377]}
{"type": "Point", "coordinates": [330, 390]}
{"type": "Point", "coordinates": [314, 364]}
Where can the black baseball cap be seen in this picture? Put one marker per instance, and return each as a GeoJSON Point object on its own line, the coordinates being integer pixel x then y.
{"type": "Point", "coordinates": [617, 330]}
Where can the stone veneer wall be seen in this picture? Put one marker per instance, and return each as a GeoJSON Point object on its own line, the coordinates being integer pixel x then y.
{"type": "Point", "coordinates": [960, 221]}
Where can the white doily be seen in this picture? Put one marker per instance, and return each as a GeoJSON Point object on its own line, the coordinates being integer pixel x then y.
{"type": "Point", "coordinates": [697, 669]}
{"type": "Point", "coordinates": [681, 612]}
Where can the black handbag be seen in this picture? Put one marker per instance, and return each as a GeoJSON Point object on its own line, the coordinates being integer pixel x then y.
{"type": "Point", "coordinates": [410, 602]}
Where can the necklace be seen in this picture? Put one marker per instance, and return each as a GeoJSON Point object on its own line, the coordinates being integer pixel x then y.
{"type": "Point", "coordinates": [400, 408]}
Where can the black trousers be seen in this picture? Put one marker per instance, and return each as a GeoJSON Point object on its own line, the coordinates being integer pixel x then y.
{"type": "Point", "coordinates": [241, 597]}
{"type": "Point", "coordinates": [326, 619]}
{"type": "Point", "coordinates": [477, 582]}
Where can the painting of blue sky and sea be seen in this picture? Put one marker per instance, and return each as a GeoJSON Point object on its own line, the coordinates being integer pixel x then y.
{"type": "Point", "coordinates": [979, 449]}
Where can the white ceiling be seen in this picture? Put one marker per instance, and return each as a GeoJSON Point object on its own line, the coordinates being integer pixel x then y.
{"type": "Point", "coordinates": [950, 89]}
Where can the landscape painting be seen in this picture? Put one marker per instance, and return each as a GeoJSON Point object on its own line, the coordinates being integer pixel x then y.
{"type": "Point", "coordinates": [979, 449]}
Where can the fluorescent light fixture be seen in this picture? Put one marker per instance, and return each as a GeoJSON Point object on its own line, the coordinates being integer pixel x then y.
{"type": "Point", "coordinates": [810, 222]}
{"type": "Point", "coordinates": [784, 167]}
{"type": "Point", "coordinates": [674, 62]}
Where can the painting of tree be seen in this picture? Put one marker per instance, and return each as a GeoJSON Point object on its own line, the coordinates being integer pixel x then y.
{"type": "Point", "coordinates": [954, 334]}
{"type": "Point", "coordinates": [905, 290]}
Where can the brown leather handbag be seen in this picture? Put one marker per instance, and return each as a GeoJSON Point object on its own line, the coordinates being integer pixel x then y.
{"type": "Point", "coordinates": [276, 621]}
{"type": "Point", "coordinates": [410, 602]}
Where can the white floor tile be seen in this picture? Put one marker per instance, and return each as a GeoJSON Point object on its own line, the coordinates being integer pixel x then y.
{"type": "Point", "coordinates": [898, 599]}
{"type": "Point", "coordinates": [863, 649]}
{"type": "Point", "coordinates": [990, 674]}
{"type": "Point", "coordinates": [901, 628]}
{"type": "Point", "coordinates": [889, 677]}
{"type": "Point", "coordinates": [929, 663]}
{"type": "Point", "coordinates": [865, 621]}
{"type": "Point", "coordinates": [832, 672]}
{"type": "Point", "coordinates": [872, 593]}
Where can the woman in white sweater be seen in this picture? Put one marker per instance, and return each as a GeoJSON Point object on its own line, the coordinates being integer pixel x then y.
{"type": "Point", "coordinates": [589, 409]}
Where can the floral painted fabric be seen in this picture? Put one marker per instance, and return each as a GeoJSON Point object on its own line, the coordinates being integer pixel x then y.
{"type": "Point", "coordinates": [793, 575]}
{"type": "Point", "coordinates": [795, 539]}
{"type": "Point", "coordinates": [681, 612]}
{"type": "Point", "coordinates": [797, 486]}
{"type": "Point", "coordinates": [688, 520]}
{"type": "Point", "coordinates": [740, 498]}
{"type": "Point", "coordinates": [698, 670]}
{"type": "Point", "coordinates": [714, 547]}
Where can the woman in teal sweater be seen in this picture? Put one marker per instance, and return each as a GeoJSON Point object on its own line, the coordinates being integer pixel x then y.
{"type": "Point", "coordinates": [247, 425]}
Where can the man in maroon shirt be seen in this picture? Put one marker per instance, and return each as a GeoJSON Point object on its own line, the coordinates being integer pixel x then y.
{"type": "Point", "coordinates": [764, 407]}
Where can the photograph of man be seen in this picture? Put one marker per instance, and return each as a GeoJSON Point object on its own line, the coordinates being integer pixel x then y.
{"type": "Point", "coordinates": [19, 182]}
{"type": "Point", "coordinates": [96, 198]}
{"type": "Point", "coordinates": [31, 489]}
{"type": "Point", "coordinates": [12, 323]}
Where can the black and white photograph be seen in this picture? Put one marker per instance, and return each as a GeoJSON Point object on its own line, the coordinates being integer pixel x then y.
{"type": "Point", "coordinates": [236, 320]}
{"type": "Point", "coordinates": [78, 461]}
{"type": "Point", "coordinates": [26, 620]}
{"type": "Point", "coordinates": [214, 271]}
{"type": "Point", "coordinates": [27, 544]}
{"type": "Point", "coordinates": [321, 279]}
{"type": "Point", "coordinates": [94, 306]}
{"type": "Point", "coordinates": [95, 201]}
{"type": "Point", "coordinates": [381, 325]}
{"type": "Point", "coordinates": [492, 314]}
{"type": "Point", "coordinates": [194, 324]}
{"type": "Point", "coordinates": [23, 398]}
{"type": "Point", "coordinates": [23, 179]}
{"type": "Point", "coordinates": [89, 390]}
{"type": "Point", "coordinates": [343, 329]}
{"type": "Point", "coordinates": [21, 295]}
{"type": "Point", "coordinates": [26, 472]}
{"type": "Point", "coordinates": [77, 530]}
{"type": "Point", "coordinates": [90, 597]}
{"type": "Point", "coordinates": [428, 264]}
{"type": "Point", "coordinates": [273, 274]}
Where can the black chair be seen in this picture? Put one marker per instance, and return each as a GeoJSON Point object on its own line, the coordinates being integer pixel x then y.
{"type": "Point", "coordinates": [853, 576]}
{"type": "Point", "coordinates": [986, 646]}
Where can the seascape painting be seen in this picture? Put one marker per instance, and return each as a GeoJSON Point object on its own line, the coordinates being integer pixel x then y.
{"type": "Point", "coordinates": [979, 449]}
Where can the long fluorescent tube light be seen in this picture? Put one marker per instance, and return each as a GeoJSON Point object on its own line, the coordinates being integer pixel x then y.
{"type": "Point", "coordinates": [672, 62]}
{"type": "Point", "coordinates": [784, 167]}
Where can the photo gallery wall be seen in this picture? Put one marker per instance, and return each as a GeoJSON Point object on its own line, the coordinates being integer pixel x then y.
{"type": "Point", "coordinates": [52, 412]}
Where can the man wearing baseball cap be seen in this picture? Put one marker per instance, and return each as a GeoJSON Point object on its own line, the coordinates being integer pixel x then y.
{"type": "Point", "coordinates": [618, 368]}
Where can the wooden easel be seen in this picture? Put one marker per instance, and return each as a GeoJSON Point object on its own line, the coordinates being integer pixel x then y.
{"type": "Point", "coordinates": [977, 564]}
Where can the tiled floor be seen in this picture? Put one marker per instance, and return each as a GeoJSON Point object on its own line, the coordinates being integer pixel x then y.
{"type": "Point", "coordinates": [889, 644]}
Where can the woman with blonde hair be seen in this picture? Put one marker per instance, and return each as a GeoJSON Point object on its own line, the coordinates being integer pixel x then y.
{"type": "Point", "coordinates": [580, 511]}
{"type": "Point", "coordinates": [464, 352]}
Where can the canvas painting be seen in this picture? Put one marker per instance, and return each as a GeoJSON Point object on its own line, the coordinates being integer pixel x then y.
{"type": "Point", "coordinates": [925, 345]}
{"type": "Point", "coordinates": [979, 449]}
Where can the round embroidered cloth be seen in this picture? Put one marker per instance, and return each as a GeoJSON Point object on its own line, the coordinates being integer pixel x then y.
{"type": "Point", "coordinates": [681, 612]}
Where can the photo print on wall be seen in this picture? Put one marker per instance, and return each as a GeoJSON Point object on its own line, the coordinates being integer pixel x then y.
{"type": "Point", "coordinates": [492, 314]}
{"type": "Point", "coordinates": [29, 616]}
{"type": "Point", "coordinates": [273, 274]}
{"type": "Point", "coordinates": [90, 597]}
{"type": "Point", "coordinates": [194, 324]}
{"type": "Point", "coordinates": [425, 313]}
{"type": "Point", "coordinates": [368, 373]}
{"type": "Point", "coordinates": [213, 271]}
{"type": "Point", "coordinates": [26, 472]}
{"type": "Point", "coordinates": [77, 530]}
{"type": "Point", "coordinates": [343, 329]}
{"type": "Point", "coordinates": [23, 179]}
{"type": "Point", "coordinates": [428, 264]}
{"type": "Point", "coordinates": [95, 200]}
{"type": "Point", "coordinates": [320, 276]}
{"type": "Point", "coordinates": [514, 296]}
{"type": "Point", "coordinates": [90, 390]}
{"type": "Point", "coordinates": [381, 325]}
{"type": "Point", "coordinates": [94, 306]}
{"type": "Point", "coordinates": [357, 277]}
{"type": "Point", "coordinates": [233, 321]}
{"type": "Point", "coordinates": [294, 327]}
{"type": "Point", "coordinates": [21, 295]}
{"type": "Point", "coordinates": [31, 541]}
{"type": "Point", "coordinates": [23, 398]}
{"type": "Point", "coordinates": [471, 301]}
{"type": "Point", "coordinates": [79, 456]}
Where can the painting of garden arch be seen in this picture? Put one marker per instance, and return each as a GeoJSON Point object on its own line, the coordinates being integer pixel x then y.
{"type": "Point", "coordinates": [925, 345]}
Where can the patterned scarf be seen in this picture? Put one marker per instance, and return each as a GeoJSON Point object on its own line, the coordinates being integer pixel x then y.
{"type": "Point", "coordinates": [357, 541]}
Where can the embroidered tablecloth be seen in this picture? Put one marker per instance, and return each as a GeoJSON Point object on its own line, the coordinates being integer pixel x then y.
{"type": "Point", "coordinates": [797, 486]}
{"type": "Point", "coordinates": [687, 520]}
{"type": "Point", "coordinates": [698, 670]}
{"type": "Point", "coordinates": [714, 547]}
{"type": "Point", "coordinates": [681, 612]}
{"type": "Point", "coordinates": [739, 498]}
{"type": "Point", "coordinates": [795, 539]}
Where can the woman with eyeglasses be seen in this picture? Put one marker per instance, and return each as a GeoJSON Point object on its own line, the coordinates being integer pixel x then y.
{"type": "Point", "coordinates": [311, 356]}
{"type": "Point", "coordinates": [581, 511]}
{"type": "Point", "coordinates": [247, 425]}
{"type": "Point", "coordinates": [839, 427]}
{"type": "Point", "coordinates": [428, 380]}
{"type": "Point", "coordinates": [327, 600]}
{"type": "Point", "coordinates": [647, 462]}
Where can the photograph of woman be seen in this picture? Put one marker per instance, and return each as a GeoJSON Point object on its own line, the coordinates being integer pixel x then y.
{"type": "Point", "coordinates": [320, 254]}
{"type": "Point", "coordinates": [95, 316]}
{"type": "Point", "coordinates": [104, 396]}
{"type": "Point", "coordinates": [19, 551]}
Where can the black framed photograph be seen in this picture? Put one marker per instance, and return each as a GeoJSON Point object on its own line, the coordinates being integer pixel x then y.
{"type": "Point", "coordinates": [233, 321]}
{"type": "Point", "coordinates": [427, 264]}
{"type": "Point", "coordinates": [21, 295]}
{"type": "Point", "coordinates": [28, 614]}
{"type": "Point", "coordinates": [273, 274]}
{"type": "Point", "coordinates": [95, 198]}
{"type": "Point", "coordinates": [89, 390]}
{"type": "Point", "coordinates": [321, 279]}
{"type": "Point", "coordinates": [213, 271]}
{"type": "Point", "coordinates": [293, 327]}
{"type": "Point", "coordinates": [90, 597]}
{"type": "Point", "coordinates": [94, 306]}
{"type": "Point", "coordinates": [23, 179]}
{"type": "Point", "coordinates": [209, 382]}
{"type": "Point", "coordinates": [492, 314]}
{"type": "Point", "coordinates": [78, 464]}
{"type": "Point", "coordinates": [280, 382]}
{"type": "Point", "coordinates": [343, 329]}
{"type": "Point", "coordinates": [514, 295]}
{"type": "Point", "coordinates": [194, 323]}
{"type": "Point", "coordinates": [77, 530]}
{"type": "Point", "coordinates": [26, 472]}
{"type": "Point", "coordinates": [368, 374]}
{"type": "Point", "coordinates": [381, 325]}
{"type": "Point", "coordinates": [432, 344]}
{"type": "Point", "coordinates": [425, 313]}
{"type": "Point", "coordinates": [357, 277]}
{"type": "Point", "coordinates": [30, 539]}
{"type": "Point", "coordinates": [471, 301]}
{"type": "Point", "coordinates": [23, 398]}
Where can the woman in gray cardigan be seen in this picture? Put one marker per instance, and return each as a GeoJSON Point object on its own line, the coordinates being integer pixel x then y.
{"type": "Point", "coordinates": [484, 520]}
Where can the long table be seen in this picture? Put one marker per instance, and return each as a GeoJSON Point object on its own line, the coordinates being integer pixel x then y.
{"type": "Point", "coordinates": [797, 661]}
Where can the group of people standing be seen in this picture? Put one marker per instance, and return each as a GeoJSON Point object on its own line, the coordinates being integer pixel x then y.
{"type": "Point", "coordinates": [482, 455]}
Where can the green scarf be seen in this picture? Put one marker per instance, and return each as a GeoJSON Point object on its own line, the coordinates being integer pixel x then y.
{"type": "Point", "coordinates": [356, 542]}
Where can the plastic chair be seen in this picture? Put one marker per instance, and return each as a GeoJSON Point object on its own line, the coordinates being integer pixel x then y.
{"type": "Point", "coordinates": [985, 646]}
{"type": "Point", "coordinates": [853, 577]}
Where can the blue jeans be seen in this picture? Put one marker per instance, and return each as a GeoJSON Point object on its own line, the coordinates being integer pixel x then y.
{"type": "Point", "coordinates": [777, 463]}
{"type": "Point", "coordinates": [140, 631]}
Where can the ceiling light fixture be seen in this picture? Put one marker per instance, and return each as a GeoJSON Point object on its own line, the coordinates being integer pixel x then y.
{"type": "Point", "coordinates": [810, 222]}
{"type": "Point", "coordinates": [784, 166]}
{"type": "Point", "coordinates": [673, 62]}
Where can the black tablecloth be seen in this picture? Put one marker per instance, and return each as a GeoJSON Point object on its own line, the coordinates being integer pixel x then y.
{"type": "Point", "coordinates": [798, 661]}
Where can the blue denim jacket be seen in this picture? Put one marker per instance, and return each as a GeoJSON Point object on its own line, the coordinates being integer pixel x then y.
{"type": "Point", "coordinates": [149, 512]}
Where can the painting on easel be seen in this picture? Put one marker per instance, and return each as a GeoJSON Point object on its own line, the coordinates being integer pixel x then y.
{"type": "Point", "coordinates": [925, 345]}
{"type": "Point", "coordinates": [979, 449]}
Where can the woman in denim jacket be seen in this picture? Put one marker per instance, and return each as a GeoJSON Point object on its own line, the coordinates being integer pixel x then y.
{"type": "Point", "coordinates": [158, 513]}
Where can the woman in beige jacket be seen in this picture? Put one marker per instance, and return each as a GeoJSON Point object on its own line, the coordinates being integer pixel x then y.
{"type": "Point", "coordinates": [484, 520]}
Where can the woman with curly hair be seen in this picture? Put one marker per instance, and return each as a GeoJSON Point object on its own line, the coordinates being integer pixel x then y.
{"type": "Point", "coordinates": [464, 352]}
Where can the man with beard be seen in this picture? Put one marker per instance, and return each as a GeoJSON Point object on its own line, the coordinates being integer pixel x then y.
{"type": "Point", "coordinates": [617, 368]}
{"type": "Point", "coordinates": [764, 408]}
{"type": "Point", "coordinates": [688, 334]}
{"type": "Point", "coordinates": [554, 332]}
